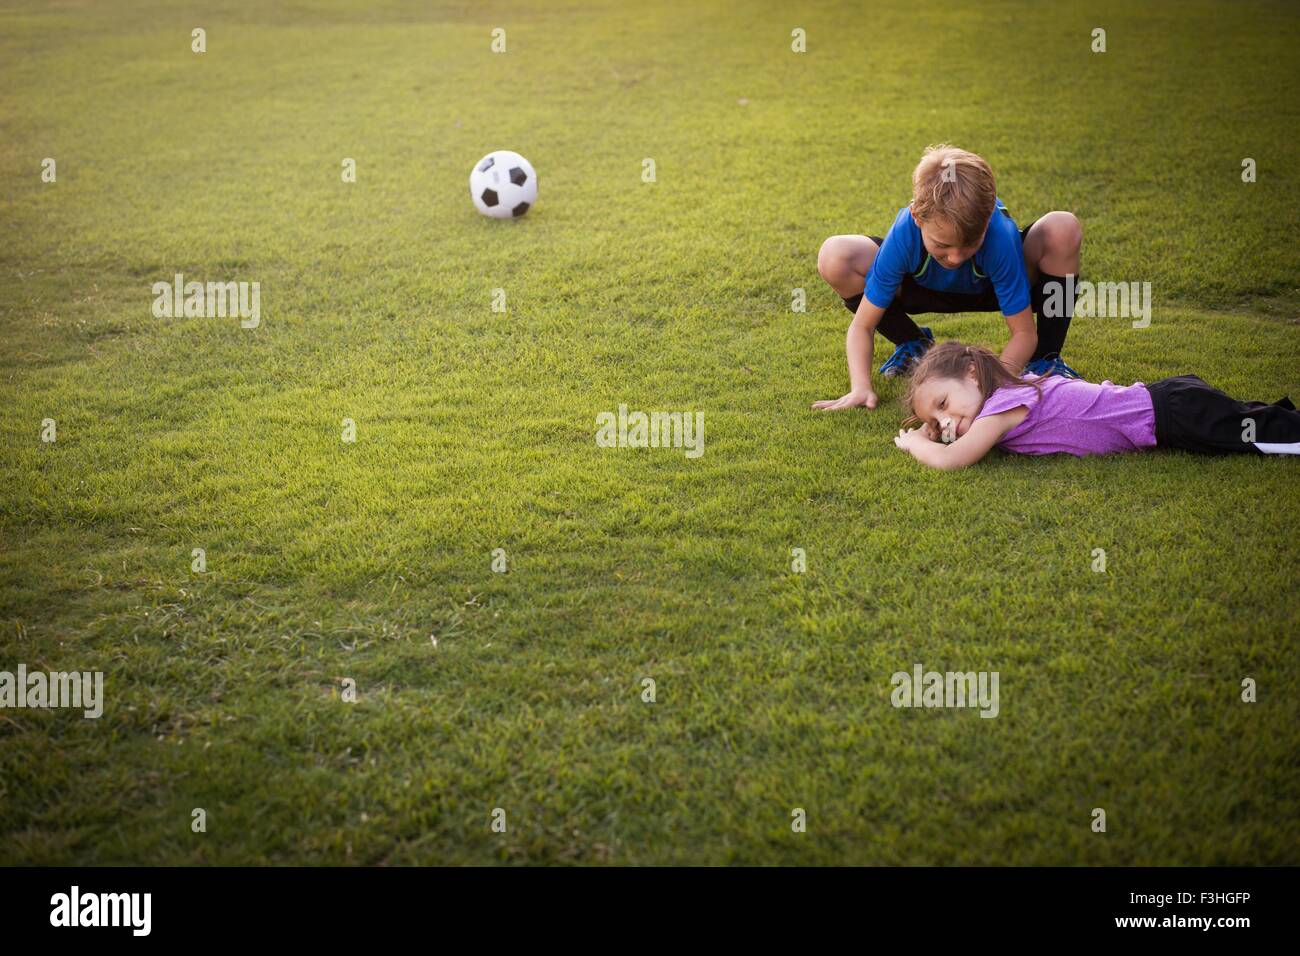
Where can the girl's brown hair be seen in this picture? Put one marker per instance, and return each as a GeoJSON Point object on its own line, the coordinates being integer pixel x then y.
{"type": "Point", "coordinates": [954, 360]}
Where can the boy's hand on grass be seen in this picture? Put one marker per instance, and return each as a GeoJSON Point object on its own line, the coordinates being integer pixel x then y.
{"type": "Point", "coordinates": [851, 400]}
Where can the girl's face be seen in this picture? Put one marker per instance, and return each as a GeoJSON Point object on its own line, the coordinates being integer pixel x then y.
{"type": "Point", "coordinates": [949, 404]}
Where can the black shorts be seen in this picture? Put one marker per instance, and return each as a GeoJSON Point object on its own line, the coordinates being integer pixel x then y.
{"type": "Point", "coordinates": [916, 298]}
{"type": "Point", "coordinates": [1195, 417]}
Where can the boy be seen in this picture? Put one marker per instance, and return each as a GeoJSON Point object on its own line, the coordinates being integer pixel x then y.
{"type": "Point", "coordinates": [954, 248]}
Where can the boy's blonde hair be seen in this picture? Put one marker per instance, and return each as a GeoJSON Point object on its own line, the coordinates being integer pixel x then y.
{"type": "Point", "coordinates": [950, 183]}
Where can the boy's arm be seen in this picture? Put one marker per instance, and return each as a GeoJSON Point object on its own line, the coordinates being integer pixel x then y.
{"type": "Point", "coordinates": [966, 450]}
{"type": "Point", "coordinates": [1004, 261]}
{"type": "Point", "coordinates": [1023, 341]}
{"type": "Point", "coordinates": [858, 346]}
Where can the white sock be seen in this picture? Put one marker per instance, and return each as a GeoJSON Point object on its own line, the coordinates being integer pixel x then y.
{"type": "Point", "coordinates": [1278, 448]}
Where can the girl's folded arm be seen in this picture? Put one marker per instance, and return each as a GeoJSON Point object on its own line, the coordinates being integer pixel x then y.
{"type": "Point", "coordinates": [970, 447]}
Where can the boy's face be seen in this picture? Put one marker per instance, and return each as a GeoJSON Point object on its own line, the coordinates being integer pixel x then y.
{"type": "Point", "coordinates": [949, 403]}
{"type": "Point", "coordinates": [943, 241]}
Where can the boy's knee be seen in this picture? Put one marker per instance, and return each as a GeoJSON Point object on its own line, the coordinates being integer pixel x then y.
{"type": "Point", "coordinates": [831, 260]}
{"type": "Point", "coordinates": [1063, 233]}
{"type": "Point", "coordinates": [843, 261]}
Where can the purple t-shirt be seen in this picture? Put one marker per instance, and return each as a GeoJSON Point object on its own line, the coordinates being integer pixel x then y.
{"type": "Point", "coordinates": [1078, 417]}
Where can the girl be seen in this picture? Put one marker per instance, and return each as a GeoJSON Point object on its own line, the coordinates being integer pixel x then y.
{"type": "Point", "coordinates": [968, 402]}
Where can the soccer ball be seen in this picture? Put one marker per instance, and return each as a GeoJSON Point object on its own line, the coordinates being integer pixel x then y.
{"type": "Point", "coordinates": [503, 185]}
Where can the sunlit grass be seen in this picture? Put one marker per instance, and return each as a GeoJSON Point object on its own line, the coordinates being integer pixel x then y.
{"type": "Point", "coordinates": [475, 431]}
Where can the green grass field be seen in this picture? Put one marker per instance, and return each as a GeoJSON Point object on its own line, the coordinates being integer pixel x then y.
{"type": "Point", "coordinates": [475, 431]}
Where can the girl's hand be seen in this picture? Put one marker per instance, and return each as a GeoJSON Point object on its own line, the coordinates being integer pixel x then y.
{"type": "Point", "coordinates": [851, 400]}
{"type": "Point", "coordinates": [970, 448]}
{"type": "Point", "coordinates": [911, 439]}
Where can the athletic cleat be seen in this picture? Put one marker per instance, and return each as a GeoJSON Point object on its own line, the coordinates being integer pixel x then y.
{"type": "Point", "coordinates": [1051, 365]}
{"type": "Point", "coordinates": [906, 355]}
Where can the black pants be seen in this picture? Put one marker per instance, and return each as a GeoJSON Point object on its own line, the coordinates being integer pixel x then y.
{"type": "Point", "coordinates": [1193, 416]}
